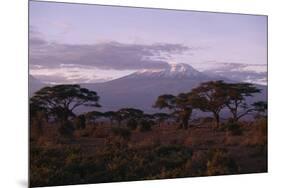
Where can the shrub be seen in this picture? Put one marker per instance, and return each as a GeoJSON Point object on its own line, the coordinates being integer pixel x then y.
{"type": "Point", "coordinates": [145, 125]}
{"type": "Point", "coordinates": [220, 163]}
{"type": "Point", "coordinates": [234, 128]}
{"type": "Point", "coordinates": [258, 135]}
{"type": "Point", "coordinates": [101, 132]}
{"type": "Point", "coordinates": [132, 124]}
{"type": "Point", "coordinates": [198, 164]}
{"type": "Point", "coordinates": [66, 129]}
{"type": "Point", "coordinates": [124, 133]}
{"type": "Point", "coordinates": [172, 156]}
{"type": "Point", "coordinates": [87, 132]}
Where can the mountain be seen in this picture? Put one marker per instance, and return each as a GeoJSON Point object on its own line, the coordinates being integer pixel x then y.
{"type": "Point", "coordinates": [141, 89]}
{"type": "Point", "coordinates": [252, 73]}
{"type": "Point", "coordinates": [174, 71]}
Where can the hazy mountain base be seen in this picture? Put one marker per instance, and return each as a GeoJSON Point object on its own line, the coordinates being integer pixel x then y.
{"type": "Point", "coordinates": [142, 94]}
{"type": "Point", "coordinates": [141, 89]}
{"type": "Point", "coordinates": [99, 153]}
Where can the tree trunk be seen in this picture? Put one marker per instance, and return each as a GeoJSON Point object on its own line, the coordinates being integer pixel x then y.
{"type": "Point", "coordinates": [185, 123]}
{"type": "Point", "coordinates": [217, 120]}
{"type": "Point", "coordinates": [235, 116]}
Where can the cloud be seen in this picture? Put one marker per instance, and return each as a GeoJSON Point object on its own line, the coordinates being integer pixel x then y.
{"type": "Point", "coordinates": [108, 55]}
{"type": "Point", "coordinates": [35, 38]}
{"type": "Point", "coordinates": [75, 74]}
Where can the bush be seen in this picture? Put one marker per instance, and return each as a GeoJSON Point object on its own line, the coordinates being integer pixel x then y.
{"type": "Point", "coordinates": [146, 125]}
{"type": "Point", "coordinates": [66, 129]}
{"type": "Point", "coordinates": [234, 128]}
{"type": "Point", "coordinates": [220, 163]}
{"type": "Point", "coordinates": [132, 124]}
{"type": "Point", "coordinates": [124, 133]}
{"type": "Point", "coordinates": [101, 132]}
{"type": "Point", "coordinates": [258, 136]}
{"type": "Point", "coordinates": [88, 132]}
{"type": "Point", "coordinates": [198, 164]}
{"type": "Point", "coordinates": [172, 156]}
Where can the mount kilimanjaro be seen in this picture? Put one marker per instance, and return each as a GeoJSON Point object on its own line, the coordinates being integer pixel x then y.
{"type": "Point", "coordinates": [141, 89]}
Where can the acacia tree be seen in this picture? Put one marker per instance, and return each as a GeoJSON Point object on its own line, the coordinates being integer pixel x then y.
{"type": "Point", "coordinates": [165, 101]}
{"type": "Point", "coordinates": [61, 100]}
{"type": "Point", "coordinates": [210, 97]}
{"type": "Point", "coordinates": [260, 107]}
{"type": "Point", "coordinates": [180, 105]}
{"type": "Point", "coordinates": [146, 123]}
{"type": "Point", "coordinates": [110, 115]}
{"type": "Point", "coordinates": [128, 113]}
{"type": "Point", "coordinates": [93, 116]}
{"type": "Point", "coordinates": [160, 117]}
{"type": "Point", "coordinates": [237, 94]}
{"type": "Point", "coordinates": [184, 108]}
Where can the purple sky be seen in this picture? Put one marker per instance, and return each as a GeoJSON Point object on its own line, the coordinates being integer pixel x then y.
{"type": "Point", "coordinates": [89, 43]}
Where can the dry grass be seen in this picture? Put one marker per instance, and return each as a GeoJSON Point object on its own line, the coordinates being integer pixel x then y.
{"type": "Point", "coordinates": [245, 153]}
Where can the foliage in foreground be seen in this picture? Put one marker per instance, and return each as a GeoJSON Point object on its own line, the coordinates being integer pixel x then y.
{"type": "Point", "coordinates": [118, 161]}
{"type": "Point", "coordinates": [121, 159]}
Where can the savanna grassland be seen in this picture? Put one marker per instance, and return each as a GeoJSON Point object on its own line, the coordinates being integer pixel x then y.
{"type": "Point", "coordinates": [130, 145]}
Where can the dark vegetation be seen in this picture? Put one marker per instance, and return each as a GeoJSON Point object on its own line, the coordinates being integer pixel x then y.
{"type": "Point", "coordinates": [129, 145]}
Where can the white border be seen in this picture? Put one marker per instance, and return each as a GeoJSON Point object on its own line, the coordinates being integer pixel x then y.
{"type": "Point", "coordinates": [13, 132]}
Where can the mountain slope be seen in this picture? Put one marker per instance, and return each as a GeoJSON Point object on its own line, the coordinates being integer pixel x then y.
{"type": "Point", "coordinates": [141, 89]}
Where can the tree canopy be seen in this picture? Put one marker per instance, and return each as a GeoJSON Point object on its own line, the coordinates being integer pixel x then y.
{"type": "Point", "coordinates": [210, 97]}
{"type": "Point", "coordinates": [236, 98]}
{"type": "Point", "coordinates": [180, 105]}
{"type": "Point", "coordinates": [61, 100]}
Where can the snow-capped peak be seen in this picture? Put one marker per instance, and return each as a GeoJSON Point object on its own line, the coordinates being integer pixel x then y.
{"type": "Point", "coordinates": [181, 68]}
{"type": "Point", "coordinates": [178, 70]}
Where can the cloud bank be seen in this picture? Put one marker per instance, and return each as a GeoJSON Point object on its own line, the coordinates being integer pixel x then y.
{"type": "Point", "coordinates": [109, 55]}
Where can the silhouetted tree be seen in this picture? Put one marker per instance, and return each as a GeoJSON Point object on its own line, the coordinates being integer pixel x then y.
{"type": "Point", "coordinates": [110, 115]}
{"type": "Point", "coordinates": [184, 108]}
{"type": "Point", "coordinates": [180, 106]}
{"type": "Point", "coordinates": [93, 116]}
{"type": "Point", "coordinates": [128, 113]}
{"type": "Point", "coordinates": [132, 123]}
{"type": "Point", "coordinates": [210, 97]}
{"type": "Point", "coordinates": [148, 117]}
{"type": "Point", "coordinates": [237, 94]}
{"type": "Point", "coordinates": [146, 125]}
{"type": "Point", "coordinates": [166, 101]}
{"type": "Point", "coordinates": [61, 100]}
{"type": "Point", "coordinates": [160, 118]}
{"type": "Point", "coordinates": [260, 107]}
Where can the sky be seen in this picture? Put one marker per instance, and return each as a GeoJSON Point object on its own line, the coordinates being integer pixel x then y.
{"type": "Point", "coordinates": [75, 43]}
